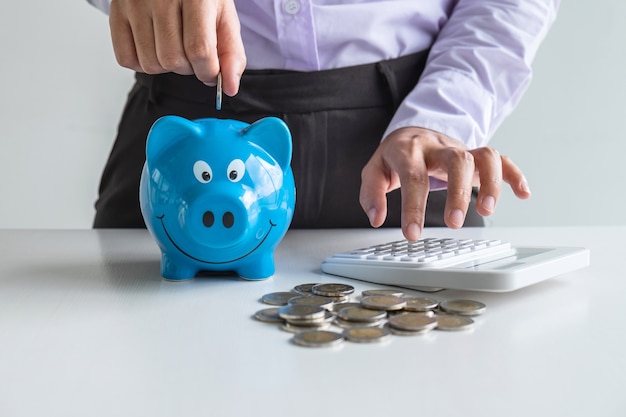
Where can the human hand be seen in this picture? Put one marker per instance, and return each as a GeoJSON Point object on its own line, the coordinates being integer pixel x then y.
{"type": "Point", "coordinates": [406, 159]}
{"type": "Point", "coordinates": [200, 37]}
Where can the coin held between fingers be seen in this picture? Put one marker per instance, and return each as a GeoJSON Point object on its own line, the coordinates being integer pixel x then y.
{"type": "Point", "coordinates": [218, 92]}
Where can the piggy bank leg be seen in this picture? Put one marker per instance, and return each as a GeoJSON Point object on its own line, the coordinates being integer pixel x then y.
{"type": "Point", "coordinates": [257, 268]}
{"type": "Point", "coordinates": [176, 270]}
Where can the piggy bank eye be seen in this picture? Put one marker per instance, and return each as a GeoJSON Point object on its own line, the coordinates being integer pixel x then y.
{"type": "Point", "coordinates": [202, 172]}
{"type": "Point", "coordinates": [235, 170]}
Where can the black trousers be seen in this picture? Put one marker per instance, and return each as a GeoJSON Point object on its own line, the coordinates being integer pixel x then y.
{"type": "Point", "coordinates": [336, 117]}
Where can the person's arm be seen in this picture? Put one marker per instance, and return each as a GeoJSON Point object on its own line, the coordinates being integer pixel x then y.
{"type": "Point", "coordinates": [477, 71]}
{"type": "Point", "coordinates": [200, 37]}
{"type": "Point", "coordinates": [478, 68]}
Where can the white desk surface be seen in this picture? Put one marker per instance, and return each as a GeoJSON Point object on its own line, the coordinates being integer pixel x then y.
{"type": "Point", "coordinates": [89, 328]}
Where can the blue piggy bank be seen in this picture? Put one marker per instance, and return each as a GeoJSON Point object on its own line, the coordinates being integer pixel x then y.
{"type": "Point", "coordinates": [217, 195]}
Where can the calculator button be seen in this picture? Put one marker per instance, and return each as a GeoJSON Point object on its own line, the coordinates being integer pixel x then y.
{"type": "Point", "coordinates": [461, 251]}
{"type": "Point", "coordinates": [393, 257]}
{"type": "Point", "coordinates": [428, 258]}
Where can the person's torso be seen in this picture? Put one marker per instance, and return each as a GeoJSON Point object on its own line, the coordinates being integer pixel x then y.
{"type": "Point", "coordinates": [307, 35]}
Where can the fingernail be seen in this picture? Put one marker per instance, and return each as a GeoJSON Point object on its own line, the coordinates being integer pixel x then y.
{"type": "Point", "coordinates": [210, 84]}
{"type": "Point", "coordinates": [489, 203]}
{"type": "Point", "coordinates": [525, 186]}
{"type": "Point", "coordinates": [456, 218]}
{"type": "Point", "coordinates": [413, 231]}
{"type": "Point", "coordinates": [371, 214]}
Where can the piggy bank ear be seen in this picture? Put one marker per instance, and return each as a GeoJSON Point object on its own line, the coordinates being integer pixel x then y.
{"type": "Point", "coordinates": [168, 131]}
{"type": "Point", "coordinates": [271, 134]}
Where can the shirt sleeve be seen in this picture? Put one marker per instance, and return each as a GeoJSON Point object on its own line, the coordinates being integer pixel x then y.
{"type": "Point", "coordinates": [478, 68]}
{"type": "Point", "coordinates": [101, 4]}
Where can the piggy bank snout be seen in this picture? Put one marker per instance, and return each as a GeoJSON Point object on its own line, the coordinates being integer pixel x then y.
{"type": "Point", "coordinates": [219, 221]}
{"type": "Point", "coordinates": [228, 219]}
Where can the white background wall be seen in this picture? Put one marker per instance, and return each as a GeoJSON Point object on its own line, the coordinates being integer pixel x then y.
{"type": "Point", "coordinates": [61, 94]}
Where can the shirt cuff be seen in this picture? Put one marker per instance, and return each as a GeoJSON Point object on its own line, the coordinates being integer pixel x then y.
{"type": "Point", "coordinates": [103, 5]}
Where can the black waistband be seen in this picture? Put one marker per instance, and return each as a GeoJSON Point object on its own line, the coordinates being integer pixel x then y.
{"type": "Point", "coordinates": [280, 91]}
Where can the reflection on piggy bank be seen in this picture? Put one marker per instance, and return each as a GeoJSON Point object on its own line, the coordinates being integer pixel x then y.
{"type": "Point", "coordinates": [217, 195]}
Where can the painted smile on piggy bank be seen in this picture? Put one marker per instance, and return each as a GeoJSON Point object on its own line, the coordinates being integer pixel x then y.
{"type": "Point", "coordinates": [217, 194]}
{"type": "Point", "coordinates": [205, 260]}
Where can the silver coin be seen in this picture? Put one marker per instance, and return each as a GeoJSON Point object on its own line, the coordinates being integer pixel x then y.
{"type": "Point", "coordinates": [318, 338]}
{"type": "Point", "coordinates": [305, 289]}
{"type": "Point", "coordinates": [367, 334]}
{"type": "Point", "coordinates": [403, 311]}
{"type": "Point", "coordinates": [338, 306]}
{"type": "Point", "coordinates": [278, 298]}
{"type": "Point", "coordinates": [340, 299]}
{"type": "Point", "coordinates": [361, 314]}
{"type": "Point", "coordinates": [397, 293]}
{"type": "Point", "coordinates": [463, 307]}
{"type": "Point", "coordinates": [420, 304]}
{"type": "Point", "coordinates": [294, 328]}
{"type": "Point", "coordinates": [312, 300]}
{"type": "Point", "coordinates": [218, 92]}
{"type": "Point", "coordinates": [413, 322]}
{"type": "Point", "coordinates": [345, 324]}
{"type": "Point", "coordinates": [268, 315]}
{"type": "Point", "coordinates": [383, 302]}
{"type": "Point", "coordinates": [291, 312]}
{"type": "Point", "coordinates": [333, 290]}
{"type": "Point", "coordinates": [453, 323]}
{"type": "Point", "coordinates": [399, 332]}
{"type": "Point", "coordinates": [315, 321]}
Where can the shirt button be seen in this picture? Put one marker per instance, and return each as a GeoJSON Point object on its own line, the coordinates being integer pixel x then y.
{"type": "Point", "coordinates": [291, 6]}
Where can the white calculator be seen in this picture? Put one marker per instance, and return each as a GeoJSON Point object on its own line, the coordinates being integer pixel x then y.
{"type": "Point", "coordinates": [432, 264]}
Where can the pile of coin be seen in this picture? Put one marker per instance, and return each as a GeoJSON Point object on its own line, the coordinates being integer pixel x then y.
{"type": "Point", "coordinates": [311, 311]}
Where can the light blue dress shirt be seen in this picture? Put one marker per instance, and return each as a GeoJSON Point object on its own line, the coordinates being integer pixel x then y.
{"type": "Point", "coordinates": [478, 69]}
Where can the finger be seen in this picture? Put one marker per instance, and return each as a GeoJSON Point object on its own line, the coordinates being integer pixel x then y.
{"type": "Point", "coordinates": [231, 52]}
{"type": "Point", "coordinates": [414, 189]}
{"type": "Point", "coordinates": [460, 167]}
{"type": "Point", "coordinates": [488, 163]}
{"type": "Point", "coordinates": [122, 39]}
{"type": "Point", "coordinates": [200, 39]}
{"type": "Point", "coordinates": [373, 193]}
{"type": "Point", "coordinates": [514, 176]}
{"type": "Point", "coordinates": [168, 34]}
{"type": "Point", "coordinates": [141, 25]}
